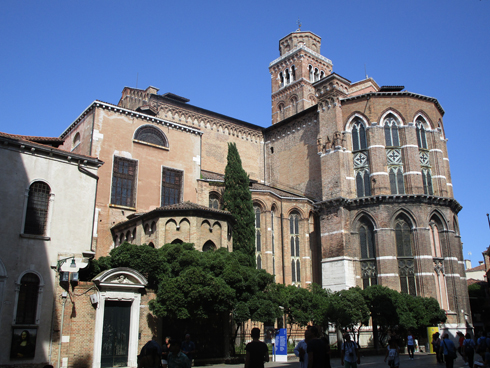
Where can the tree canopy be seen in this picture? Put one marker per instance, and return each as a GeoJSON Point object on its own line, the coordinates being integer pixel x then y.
{"type": "Point", "coordinates": [237, 199]}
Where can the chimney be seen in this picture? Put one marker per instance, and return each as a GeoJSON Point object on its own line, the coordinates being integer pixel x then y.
{"type": "Point", "coordinates": [480, 263]}
{"type": "Point", "coordinates": [467, 264]}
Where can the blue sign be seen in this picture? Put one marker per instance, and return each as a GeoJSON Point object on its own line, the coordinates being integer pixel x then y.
{"type": "Point", "coordinates": [282, 342]}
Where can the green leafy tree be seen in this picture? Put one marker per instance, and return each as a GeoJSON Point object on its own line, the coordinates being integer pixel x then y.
{"type": "Point", "coordinates": [319, 306]}
{"type": "Point", "coordinates": [347, 309]}
{"type": "Point", "coordinates": [237, 199]}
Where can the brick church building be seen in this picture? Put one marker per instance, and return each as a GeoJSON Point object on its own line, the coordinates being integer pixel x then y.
{"type": "Point", "coordinates": [351, 186]}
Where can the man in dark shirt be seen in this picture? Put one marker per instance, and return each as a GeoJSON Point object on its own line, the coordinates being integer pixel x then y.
{"type": "Point", "coordinates": [257, 351]}
{"type": "Point", "coordinates": [317, 350]}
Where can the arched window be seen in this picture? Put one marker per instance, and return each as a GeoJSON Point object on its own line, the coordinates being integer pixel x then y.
{"type": "Point", "coordinates": [435, 229]}
{"type": "Point", "coordinates": [361, 159]}
{"type": "Point", "coordinates": [391, 131]}
{"type": "Point", "coordinates": [427, 181]}
{"type": "Point", "coordinates": [152, 135]}
{"type": "Point", "coordinates": [288, 79]}
{"type": "Point", "coordinates": [259, 262]}
{"type": "Point", "coordinates": [37, 209]}
{"type": "Point", "coordinates": [404, 245]}
{"type": "Point", "coordinates": [151, 245]}
{"type": "Point", "coordinates": [273, 242]}
{"type": "Point", "coordinates": [208, 246]}
{"type": "Point", "coordinates": [368, 253]}
{"type": "Point", "coordinates": [281, 111]}
{"type": "Point", "coordinates": [294, 105]}
{"type": "Point", "coordinates": [214, 201]}
{"type": "Point", "coordinates": [76, 140]}
{"type": "Point", "coordinates": [258, 244]}
{"type": "Point", "coordinates": [396, 180]}
{"type": "Point", "coordinates": [153, 227]}
{"type": "Point", "coordinates": [293, 73]}
{"type": "Point", "coordinates": [363, 184]}
{"type": "Point", "coordinates": [27, 300]}
{"type": "Point", "coordinates": [281, 80]}
{"type": "Point", "coordinates": [359, 141]}
{"type": "Point", "coordinates": [421, 136]}
{"type": "Point", "coordinates": [294, 244]}
{"type": "Point", "coordinates": [317, 75]}
{"type": "Point", "coordinates": [310, 70]}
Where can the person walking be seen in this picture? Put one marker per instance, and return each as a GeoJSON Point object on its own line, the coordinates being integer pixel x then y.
{"type": "Point", "coordinates": [410, 344]}
{"type": "Point", "coordinates": [449, 351]}
{"type": "Point", "coordinates": [150, 355]}
{"type": "Point", "coordinates": [393, 354]}
{"type": "Point", "coordinates": [469, 347]}
{"type": "Point", "coordinates": [257, 351]}
{"type": "Point", "coordinates": [349, 356]}
{"type": "Point", "coordinates": [436, 346]}
{"type": "Point", "coordinates": [317, 350]}
{"type": "Point", "coordinates": [300, 349]}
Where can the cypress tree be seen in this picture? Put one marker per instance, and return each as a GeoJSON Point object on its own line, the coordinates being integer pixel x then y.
{"type": "Point", "coordinates": [237, 199]}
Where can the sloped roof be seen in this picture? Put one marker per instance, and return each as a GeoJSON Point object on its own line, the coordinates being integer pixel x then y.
{"type": "Point", "coordinates": [53, 141]}
{"type": "Point", "coordinates": [26, 140]}
{"type": "Point", "coordinates": [212, 176]}
{"type": "Point", "coordinates": [477, 268]}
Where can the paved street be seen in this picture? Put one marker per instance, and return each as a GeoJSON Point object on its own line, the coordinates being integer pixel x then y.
{"type": "Point", "coordinates": [421, 360]}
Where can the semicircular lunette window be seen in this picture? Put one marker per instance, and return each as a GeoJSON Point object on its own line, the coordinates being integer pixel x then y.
{"type": "Point", "coordinates": [152, 135]}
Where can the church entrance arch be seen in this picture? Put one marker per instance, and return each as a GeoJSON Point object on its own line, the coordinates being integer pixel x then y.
{"type": "Point", "coordinates": [117, 317]}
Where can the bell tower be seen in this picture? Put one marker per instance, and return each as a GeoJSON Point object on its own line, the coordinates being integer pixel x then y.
{"type": "Point", "coordinates": [294, 72]}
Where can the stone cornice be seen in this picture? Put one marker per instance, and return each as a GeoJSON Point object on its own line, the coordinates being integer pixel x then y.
{"type": "Point", "coordinates": [298, 49]}
{"type": "Point", "coordinates": [356, 203]}
{"type": "Point", "coordinates": [396, 94]}
{"type": "Point", "coordinates": [122, 110]}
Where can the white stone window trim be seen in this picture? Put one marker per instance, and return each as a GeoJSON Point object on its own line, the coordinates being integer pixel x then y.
{"type": "Point", "coordinates": [379, 173]}
{"type": "Point", "coordinates": [421, 118]}
{"type": "Point", "coordinates": [376, 146]}
{"type": "Point", "coordinates": [412, 173]}
{"type": "Point", "coordinates": [410, 145]}
{"type": "Point", "coordinates": [354, 118]}
{"type": "Point", "coordinates": [388, 275]}
{"type": "Point", "coordinates": [47, 233]}
{"type": "Point", "coordinates": [383, 117]}
{"type": "Point", "coordinates": [333, 232]}
{"type": "Point", "coordinates": [40, 292]}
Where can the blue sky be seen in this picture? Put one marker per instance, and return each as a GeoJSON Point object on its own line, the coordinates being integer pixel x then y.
{"type": "Point", "coordinates": [59, 56]}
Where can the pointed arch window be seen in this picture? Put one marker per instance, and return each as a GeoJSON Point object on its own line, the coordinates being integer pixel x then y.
{"type": "Point", "coordinates": [281, 80]}
{"type": "Point", "coordinates": [396, 180]}
{"type": "Point", "coordinates": [295, 245]}
{"type": "Point", "coordinates": [406, 264]}
{"type": "Point", "coordinates": [391, 131]}
{"type": "Point", "coordinates": [427, 181]}
{"type": "Point", "coordinates": [310, 69]}
{"type": "Point", "coordinates": [259, 262]}
{"type": "Point", "coordinates": [368, 253]}
{"type": "Point", "coordinates": [361, 159]}
{"type": "Point", "coordinates": [359, 141]}
{"type": "Point", "coordinates": [421, 136]}
{"type": "Point", "coordinates": [36, 219]}
{"type": "Point", "coordinates": [293, 73]}
{"type": "Point", "coordinates": [273, 243]}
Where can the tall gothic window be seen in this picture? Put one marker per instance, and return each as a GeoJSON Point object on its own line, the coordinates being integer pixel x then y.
{"type": "Point", "coordinates": [294, 242]}
{"type": "Point", "coordinates": [123, 191]}
{"type": "Point", "coordinates": [258, 238]}
{"type": "Point", "coordinates": [368, 253]}
{"type": "Point", "coordinates": [436, 228]}
{"type": "Point", "coordinates": [171, 186]}
{"type": "Point", "coordinates": [391, 131]}
{"type": "Point", "coordinates": [37, 209]}
{"type": "Point", "coordinates": [394, 155]}
{"type": "Point", "coordinates": [27, 300]}
{"type": "Point", "coordinates": [404, 245]}
{"type": "Point", "coordinates": [361, 159]}
{"type": "Point", "coordinates": [421, 136]}
{"type": "Point", "coordinates": [273, 243]}
{"type": "Point", "coordinates": [427, 181]}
